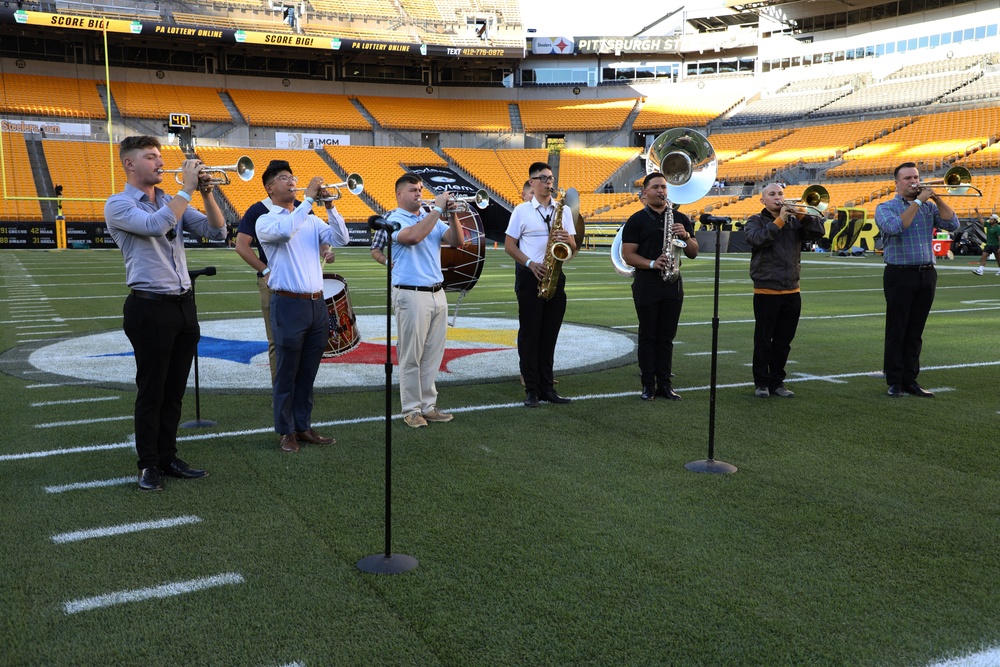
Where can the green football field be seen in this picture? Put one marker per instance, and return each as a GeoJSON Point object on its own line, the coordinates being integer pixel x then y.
{"type": "Point", "coordinates": [858, 530]}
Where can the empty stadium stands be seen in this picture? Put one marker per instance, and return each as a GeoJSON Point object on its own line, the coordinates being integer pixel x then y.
{"type": "Point", "coordinates": [574, 115]}
{"type": "Point", "coordinates": [17, 181]}
{"type": "Point", "coordinates": [155, 100]}
{"type": "Point", "coordinates": [306, 110]}
{"type": "Point", "coordinates": [423, 114]}
{"type": "Point", "coordinates": [61, 97]}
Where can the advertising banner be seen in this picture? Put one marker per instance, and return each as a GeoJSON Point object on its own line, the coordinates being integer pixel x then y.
{"type": "Point", "coordinates": [309, 140]}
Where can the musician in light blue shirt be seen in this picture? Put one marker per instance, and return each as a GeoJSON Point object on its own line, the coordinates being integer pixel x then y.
{"type": "Point", "coordinates": [295, 240]}
{"type": "Point", "coordinates": [418, 297]}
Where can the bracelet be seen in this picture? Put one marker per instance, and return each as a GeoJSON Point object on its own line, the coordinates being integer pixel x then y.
{"type": "Point", "coordinates": [439, 210]}
{"type": "Point", "coordinates": [309, 200]}
{"type": "Point", "coordinates": [184, 195]}
{"type": "Point", "coordinates": [527, 264]}
{"type": "Point", "coordinates": [267, 270]}
{"type": "Point", "coordinates": [652, 262]}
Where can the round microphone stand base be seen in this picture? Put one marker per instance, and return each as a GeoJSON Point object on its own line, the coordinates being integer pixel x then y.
{"type": "Point", "coordinates": [711, 466]}
{"type": "Point", "coordinates": [391, 564]}
{"type": "Point", "coordinates": [199, 423]}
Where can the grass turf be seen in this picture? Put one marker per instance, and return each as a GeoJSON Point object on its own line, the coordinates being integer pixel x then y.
{"type": "Point", "coordinates": [859, 529]}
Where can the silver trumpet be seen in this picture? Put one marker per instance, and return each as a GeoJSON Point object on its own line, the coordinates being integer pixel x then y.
{"type": "Point", "coordinates": [354, 184]}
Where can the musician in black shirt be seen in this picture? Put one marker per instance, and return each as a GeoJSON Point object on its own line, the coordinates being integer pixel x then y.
{"type": "Point", "coordinates": [657, 301]}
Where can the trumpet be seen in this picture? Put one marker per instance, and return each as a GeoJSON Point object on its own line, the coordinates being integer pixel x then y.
{"type": "Point", "coordinates": [462, 204]}
{"type": "Point", "coordinates": [814, 201]}
{"type": "Point", "coordinates": [354, 184]}
{"type": "Point", "coordinates": [481, 199]}
{"type": "Point", "coordinates": [957, 182]}
{"type": "Point", "coordinates": [243, 169]}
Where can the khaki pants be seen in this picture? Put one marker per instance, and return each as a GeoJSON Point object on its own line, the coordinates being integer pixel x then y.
{"type": "Point", "coordinates": [421, 330]}
{"type": "Point", "coordinates": [265, 308]}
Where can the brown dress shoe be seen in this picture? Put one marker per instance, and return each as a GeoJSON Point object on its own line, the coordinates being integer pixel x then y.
{"type": "Point", "coordinates": [313, 438]}
{"type": "Point", "coordinates": [289, 443]}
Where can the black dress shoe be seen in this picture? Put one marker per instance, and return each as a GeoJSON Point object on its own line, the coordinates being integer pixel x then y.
{"type": "Point", "coordinates": [648, 392]}
{"type": "Point", "coordinates": [178, 468]}
{"type": "Point", "coordinates": [531, 400]}
{"type": "Point", "coordinates": [150, 479]}
{"type": "Point", "coordinates": [916, 390]}
{"type": "Point", "coordinates": [668, 393]}
{"type": "Point", "coordinates": [896, 391]}
{"type": "Point", "coordinates": [551, 396]}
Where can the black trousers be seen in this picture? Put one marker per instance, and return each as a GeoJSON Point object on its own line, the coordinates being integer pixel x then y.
{"type": "Point", "coordinates": [539, 323]}
{"type": "Point", "coordinates": [164, 336]}
{"type": "Point", "coordinates": [658, 306]}
{"type": "Point", "coordinates": [777, 318]}
{"type": "Point", "coordinates": [909, 295]}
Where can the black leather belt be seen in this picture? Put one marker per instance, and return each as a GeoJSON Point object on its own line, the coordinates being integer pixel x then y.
{"type": "Point", "coordinates": [295, 295]}
{"type": "Point", "coordinates": [421, 288]}
{"type": "Point", "coordinates": [912, 267]}
{"type": "Point", "coordinates": [157, 296]}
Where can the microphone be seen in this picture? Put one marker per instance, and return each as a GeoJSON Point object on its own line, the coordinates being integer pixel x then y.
{"type": "Point", "coordinates": [207, 271]}
{"type": "Point", "coordinates": [707, 219]}
{"type": "Point", "coordinates": [378, 222]}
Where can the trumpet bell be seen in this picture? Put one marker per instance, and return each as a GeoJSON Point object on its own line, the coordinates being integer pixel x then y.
{"type": "Point", "coordinates": [687, 160]}
{"type": "Point", "coordinates": [244, 168]}
{"type": "Point", "coordinates": [355, 184]}
{"type": "Point", "coordinates": [482, 199]}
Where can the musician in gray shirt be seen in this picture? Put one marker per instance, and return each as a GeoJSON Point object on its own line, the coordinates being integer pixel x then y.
{"type": "Point", "coordinates": [159, 314]}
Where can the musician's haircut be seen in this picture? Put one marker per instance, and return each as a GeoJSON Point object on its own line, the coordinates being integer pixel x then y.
{"type": "Point", "coordinates": [905, 165]}
{"type": "Point", "coordinates": [537, 167]}
{"type": "Point", "coordinates": [780, 185]}
{"type": "Point", "coordinates": [527, 184]}
{"type": "Point", "coordinates": [135, 143]}
{"type": "Point", "coordinates": [407, 178]}
{"type": "Point", "coordinates": [649, 177]}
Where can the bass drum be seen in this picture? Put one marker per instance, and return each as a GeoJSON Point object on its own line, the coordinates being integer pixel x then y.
{"type": "Point", "coordinates": [463, 265]}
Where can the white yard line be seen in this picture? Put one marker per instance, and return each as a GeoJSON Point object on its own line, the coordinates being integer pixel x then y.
{"type": "Point", "coordinates": [156, 592]}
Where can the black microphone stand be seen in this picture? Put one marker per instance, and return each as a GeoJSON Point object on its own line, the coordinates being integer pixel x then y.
{"type": "Point", "coordinates": [198, 421]}
{"type": "Point", "coordinates": [388, 562]}
{"type": "Point", "coordinates": [710, 465]}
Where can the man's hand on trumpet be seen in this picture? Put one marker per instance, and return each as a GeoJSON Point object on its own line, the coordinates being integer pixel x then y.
{"type": "Point", "coordinates": [312, 190]}
{"type": "Point", "coordinates": [191, 175]}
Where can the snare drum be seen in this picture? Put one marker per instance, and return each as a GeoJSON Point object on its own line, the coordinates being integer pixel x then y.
{"type": "Point", "coordinates": [344, 334]}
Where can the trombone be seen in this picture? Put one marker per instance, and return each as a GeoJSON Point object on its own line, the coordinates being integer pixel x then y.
{"type": "Point", "coordinates": [354, 183]}
{"type": "Point", "coordinates": [243, 169]}
{"type": "Point", "coordinates": [957, 182]}
{"type": "Point", "coordinates": [814, 201]}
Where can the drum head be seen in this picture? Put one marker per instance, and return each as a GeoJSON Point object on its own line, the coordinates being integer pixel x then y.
{"type": "Point", "coordinates": [333, 285]}
{"type": "Point", "coordinates": [461, 266]}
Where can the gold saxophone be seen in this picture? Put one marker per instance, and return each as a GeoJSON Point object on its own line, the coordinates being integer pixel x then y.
{"type": "Point", "coordinates": [556, 252]}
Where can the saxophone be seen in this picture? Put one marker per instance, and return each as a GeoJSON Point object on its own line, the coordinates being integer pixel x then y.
{"type": "Point", "coordinates": [672, 247]}
{"type": "Point", "coordinates": [556, 252]}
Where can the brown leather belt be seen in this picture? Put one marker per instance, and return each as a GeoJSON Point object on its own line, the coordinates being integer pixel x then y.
{"type": "Point", "coordinates": [295, 295]}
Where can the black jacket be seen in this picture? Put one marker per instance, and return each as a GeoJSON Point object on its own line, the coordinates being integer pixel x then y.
{"type": "Point", "coordinates": [775, 259]}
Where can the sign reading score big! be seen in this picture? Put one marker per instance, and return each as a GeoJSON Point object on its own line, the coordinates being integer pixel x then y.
{"type": "Point", "coordinates": [232, 36]}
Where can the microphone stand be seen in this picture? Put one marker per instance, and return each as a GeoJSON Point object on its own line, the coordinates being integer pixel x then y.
{"type": "Point", "coordinates": [388, 562]}
{"type": "Point", "coordinates": [198, 421]}
{"type": "Point", "coordinates": [710, 465]}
